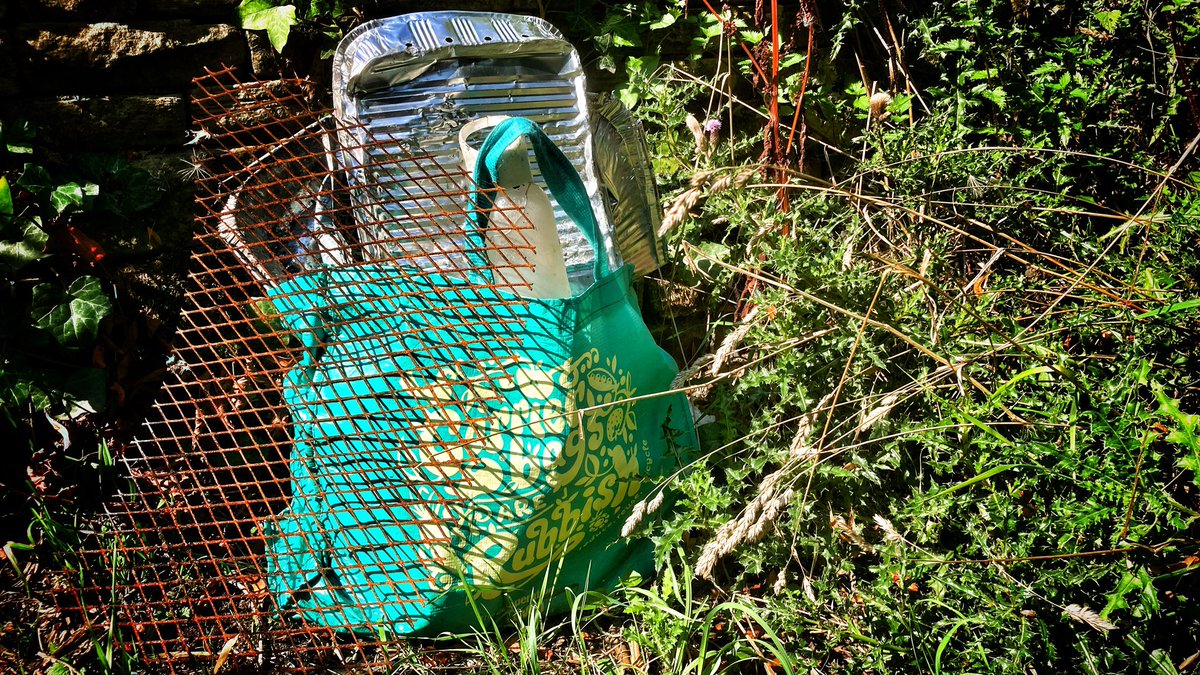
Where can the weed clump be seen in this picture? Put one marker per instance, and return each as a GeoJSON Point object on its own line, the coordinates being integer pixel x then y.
{"type": "Point", "coordinates": [953, 421]}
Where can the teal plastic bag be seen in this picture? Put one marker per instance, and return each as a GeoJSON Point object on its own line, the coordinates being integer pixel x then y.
{"type": "Point", "coordinates": [459, 449]}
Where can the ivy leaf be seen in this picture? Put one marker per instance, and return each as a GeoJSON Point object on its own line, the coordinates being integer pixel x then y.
{"type": "Point", "coordinates": [73, 317]}
{"type": "Point", "coordinates": [18, 137]}
{"type": "Point", "coordinates": [66, 197]}
{"type": "Point", "coordinates": [261, 15]}
{"type": "Point", "coordinates": [6, 203]}
{"type": "Point", "coordinates": [712, 252]}
{"type": "Point", "coordinates": [19, 389]}
{"type": "Point", "coordinates": [87, 391]}
{"type": "Point", "coordinates": [16, 254]}
{"type": "Point", "coordinates": [624, 32]}
{"type": "Point", "coordinates": [35, 179]}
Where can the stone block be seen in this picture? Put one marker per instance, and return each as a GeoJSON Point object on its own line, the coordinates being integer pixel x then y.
{"type": "Point", "coordinates": [265, 62]}
{"type": "Point", "coordinates": [106, 122]}
{"type": "Point", "coordinates": [107, 57]}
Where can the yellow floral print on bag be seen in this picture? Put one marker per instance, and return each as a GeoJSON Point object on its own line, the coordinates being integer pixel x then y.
{"type": "Point", "coordinates": [525, 473]}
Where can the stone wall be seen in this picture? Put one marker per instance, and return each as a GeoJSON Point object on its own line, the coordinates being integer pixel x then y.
{"type": "Point", "coordinates": [112, 74]}
{"type": "Point", "coordinates": [116, 74]}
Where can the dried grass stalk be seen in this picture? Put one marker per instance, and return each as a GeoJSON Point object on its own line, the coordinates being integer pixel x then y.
{"type": "Point", "coordinates": [800, 449]}
{"type": "Point", "coordinates": [781, 582]}
{"type": "Point", "coordinates": [642, 509]}
{"type": "Point", "coordinates": [751, 526]}
{"type": "Point", "coordinates": [731, 341]}
{"type": "Point", "coordinates": [877, 414]}
{"type": "Point", "coordinates": [889, 530]}
{"type": "Point", "coordinates": [690, 372]}
{"type": "Point", "coordinates": [681, 207]}
{"type": "Point", "coordinates": [847, 532]}
{"type": "Point", "coordinates": [697, 130]}
{"type": "Point", "coordinates": [1089, 616]}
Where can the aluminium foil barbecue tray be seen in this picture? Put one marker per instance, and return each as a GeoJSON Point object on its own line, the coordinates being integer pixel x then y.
{"type": "Point", "coordinates": [415, 80]}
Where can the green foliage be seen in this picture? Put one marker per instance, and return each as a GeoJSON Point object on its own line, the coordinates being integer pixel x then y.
{"type": "Point", "coordinates": [972, 369]}
{"type": "Point", "coordinates": [23, 242]}
{"type": "Point", "coordinates": [73, 316]}
{"type": "Point", "coordinates": [1185, 434]}
{"type": "Point", "coordinates": [50, 313]}
{"type": "Point", "coordinates": [264, 15]}
{"type": "Point", "coordinates": [330, 17]}
{"type": "Point", "coordinates": [624, 26]}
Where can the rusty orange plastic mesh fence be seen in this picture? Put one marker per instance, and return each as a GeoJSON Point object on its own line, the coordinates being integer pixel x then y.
{"type": "Point", "coordinates": [179, 570]}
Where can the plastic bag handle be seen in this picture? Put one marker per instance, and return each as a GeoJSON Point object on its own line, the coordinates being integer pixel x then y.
{"type": "Point", "coordinates": [563, 180]}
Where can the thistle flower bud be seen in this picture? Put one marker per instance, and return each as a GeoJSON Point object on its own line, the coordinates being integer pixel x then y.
{"type": "Point", "coordinates": [879, 103]}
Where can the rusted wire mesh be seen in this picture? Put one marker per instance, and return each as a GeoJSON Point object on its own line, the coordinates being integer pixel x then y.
{"type": "Point", "coordinates": [178, 568]}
